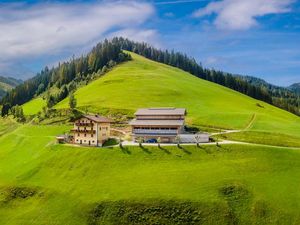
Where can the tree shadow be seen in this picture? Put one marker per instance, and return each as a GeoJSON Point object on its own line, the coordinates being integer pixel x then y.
{"type": "Point", "coordinates": [125, 150]}
{"type": "Point", "coordinates": [199, 146]}
{"type": "Point", "coordinates": [146, 150]}
{"type": "Point", "coordinates": [184, 150]}
{"type": "Point", "coordinates": [164, 150]}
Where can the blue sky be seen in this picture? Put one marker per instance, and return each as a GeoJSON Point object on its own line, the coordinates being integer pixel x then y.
{"type": "Point", "coordinates": [250, 37]}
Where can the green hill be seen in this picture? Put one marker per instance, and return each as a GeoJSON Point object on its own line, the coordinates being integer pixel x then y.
{"type": "Point", "coordinates": [144, 83]}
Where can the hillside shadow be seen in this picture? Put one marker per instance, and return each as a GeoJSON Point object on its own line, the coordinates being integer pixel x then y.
{"type": "Point", "coordinates": [164, 150]}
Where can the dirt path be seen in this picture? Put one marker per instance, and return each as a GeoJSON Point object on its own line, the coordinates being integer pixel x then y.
{"type": "Point", "coordinates": [249, 125]}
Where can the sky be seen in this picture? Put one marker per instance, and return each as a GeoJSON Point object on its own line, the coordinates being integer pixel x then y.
{"type": "Point", "coordinates": [249, 37]}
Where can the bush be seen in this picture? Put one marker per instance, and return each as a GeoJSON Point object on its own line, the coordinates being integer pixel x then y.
{"type": "Point", "coordinates": [110, 142]}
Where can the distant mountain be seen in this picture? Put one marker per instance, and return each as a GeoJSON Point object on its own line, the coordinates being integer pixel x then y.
{"type": "Point", "coordinates": [295, 88]}
{"type": "Point", "coordinates": [7, 83]}
{"type": "Point", "coordinates": [260, 82]}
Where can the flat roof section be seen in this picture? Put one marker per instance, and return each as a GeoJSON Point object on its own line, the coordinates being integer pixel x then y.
{"type": "Point", "coordinates": [160, 111]}
{"type": "Point", "coordinates": [136, 122]}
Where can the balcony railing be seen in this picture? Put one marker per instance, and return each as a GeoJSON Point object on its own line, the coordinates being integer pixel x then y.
{"type": "Point", "coordinates": [84, 131]}
{"type": "Point", "coordinates": [154, 131]}
{"type": "Point", "coordinates": [84, 124]}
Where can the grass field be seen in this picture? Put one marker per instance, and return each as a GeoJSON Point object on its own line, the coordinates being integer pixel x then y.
{"type": "Point", "coordinates": [45, 183]}
{"type": "Point", "coordinates": [144, 83]}
{"type": "Point", "coordinates": [7, 125]}
{"type": "Point", "coordinates": [275, 139]}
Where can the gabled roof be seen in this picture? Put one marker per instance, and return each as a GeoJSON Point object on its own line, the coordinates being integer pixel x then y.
{"type": "Point", "coordinates": [98, 118]}
{"type": "Point", "coordinates": [160, 111]}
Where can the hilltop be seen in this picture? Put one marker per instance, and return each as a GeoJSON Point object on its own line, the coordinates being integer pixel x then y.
{"type": "Point", "coordinates": [56, 83]}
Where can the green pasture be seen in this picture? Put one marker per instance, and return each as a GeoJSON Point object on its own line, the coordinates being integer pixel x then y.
{"type": "Point", "coordinates": [42, 182]}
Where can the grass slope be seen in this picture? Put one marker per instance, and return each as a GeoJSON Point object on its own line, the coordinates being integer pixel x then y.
{"type": "Point", "coordinates": [144, 83]}
{"type": "Point", "coordinates": [34, 106]}
{"type": "Point", "coordinates": [45, 183]}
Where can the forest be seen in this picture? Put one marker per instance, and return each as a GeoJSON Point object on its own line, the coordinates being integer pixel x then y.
{"type": "Point", "coordinates": [66, 76]}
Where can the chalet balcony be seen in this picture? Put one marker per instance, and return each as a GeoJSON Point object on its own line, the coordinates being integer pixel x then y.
{"type": "Point", "coordinates": [84, 124]}
{"type": "Point", "coordinates": [84, 131]}
{"type": "Point", "coordinates": [155, 131]}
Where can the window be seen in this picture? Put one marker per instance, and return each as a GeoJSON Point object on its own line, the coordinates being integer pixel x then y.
{"type": "Point", "coordinates": [85, 135]}
{"type": "Point", "coordinates": [92, 135]}
{"type": "Point", "coordinates": [93, 141]}
{"type": "Point", "coordinates": [76, 139]}
{"type": "Point", "coordinates": [84, 140]}
{"type": "Point", "coordinates": [78, 135]}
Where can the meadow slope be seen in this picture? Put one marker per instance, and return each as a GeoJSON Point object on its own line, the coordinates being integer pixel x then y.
{"type": "Point", "coordinates": [45, 183]}
{"type": "Point", "coordinates": [144, 83]}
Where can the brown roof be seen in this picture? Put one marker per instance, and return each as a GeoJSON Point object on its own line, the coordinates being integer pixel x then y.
{"type": "Point", "coordinates": [136, 122]}
{"type": "Point", "coordinates": [160, 111]}
{"type": "Point", "coordinates": [98, 119]}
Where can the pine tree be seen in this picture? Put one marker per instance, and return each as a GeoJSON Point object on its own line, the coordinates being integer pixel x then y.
{"type": "Point", "coordinates": [72, 101]}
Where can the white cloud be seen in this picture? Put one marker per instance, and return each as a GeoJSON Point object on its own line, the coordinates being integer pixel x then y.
{"type": "Point", "coordinates": [28, 30]}
{"type": "Point", "coordinates": [242, 14]}
{"type": "Point", "coordinates": [178, 2]}
{"type": "Point", "coordinates": [142, 35]}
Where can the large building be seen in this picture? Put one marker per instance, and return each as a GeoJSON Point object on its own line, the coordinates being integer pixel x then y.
{"type": "Point", "coordinates": [91, 130]}
{"type": "Point", "coordinates": [153, 123]}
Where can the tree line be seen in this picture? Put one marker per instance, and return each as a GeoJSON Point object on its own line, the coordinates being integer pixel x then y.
{"type": "Point", "coordinates": [282, 98]}
{"type": "Point", "coordinates": [66, 76]}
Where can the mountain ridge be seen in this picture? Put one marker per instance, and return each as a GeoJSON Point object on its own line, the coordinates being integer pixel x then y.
{"type": "Point", "coordinates": [295, 87]}
{"type": "Point", "coordinates": [8, 83]}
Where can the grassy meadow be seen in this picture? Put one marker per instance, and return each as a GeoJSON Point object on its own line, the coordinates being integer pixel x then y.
{"type": "Point", "coordinates": [42, 182]}
{"type": "Point", "coordinates": [34, 106]}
